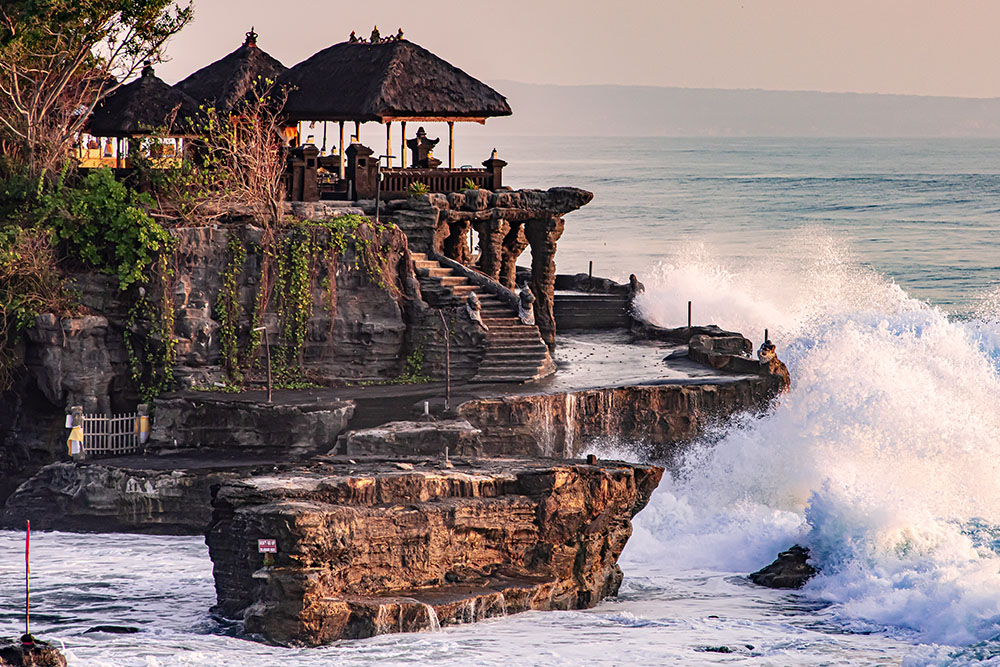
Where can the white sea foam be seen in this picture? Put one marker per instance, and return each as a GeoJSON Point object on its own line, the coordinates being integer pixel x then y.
{"type": "Point", "coordinates": [884, 458]}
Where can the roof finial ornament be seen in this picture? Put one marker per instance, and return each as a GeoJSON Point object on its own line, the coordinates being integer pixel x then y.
{"type": "Point", "coordinates": [399, 35]}
{"type": "Point", "coordinates": [353, 39]}
{"type": "Point", "coordinates": [251, 38]}
{"type": "Point", "coordinates": [147, 68]}
{"type": "Point", "coordinates": [376, 37]}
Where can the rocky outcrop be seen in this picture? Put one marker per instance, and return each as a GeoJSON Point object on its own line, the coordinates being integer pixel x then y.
{"type": "Point", "coordinates": [227, 422]}
{"type": "Point", "coordinates": [91, 497]}
{"type": "Point", "coordinates": [400, 545]}
{"type": "Point", "coordinates": [455, 437]}
{"type": "Point", "coordinates": [564, 424]}
{"type": "Point", "coordinates": [30, 653]}
{"type": "Point", "coordinates": [76, 361]}
{"type": "Point", "coordinates": [790, 570]}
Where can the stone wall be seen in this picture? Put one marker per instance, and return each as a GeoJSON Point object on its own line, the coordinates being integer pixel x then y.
{"type": "Point", "coordinates": [662, 417]}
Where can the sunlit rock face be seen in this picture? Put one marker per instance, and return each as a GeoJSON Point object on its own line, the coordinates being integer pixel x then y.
{"type": "Point", "coordinates": [384, 545]}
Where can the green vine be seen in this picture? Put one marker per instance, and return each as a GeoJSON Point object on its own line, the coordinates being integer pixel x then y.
{"type": "Point", "coordinates": [228, 308]}
{"type": "Point", "coordinates": [152, 356]}
{"type": "Point", "coordinates": [292, 265]}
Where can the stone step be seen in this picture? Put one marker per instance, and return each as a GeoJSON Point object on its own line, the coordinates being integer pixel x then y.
{"type": "Point", "coordinates": [452, 281]}
{"type": "Point", "coordinates": [433, 272]}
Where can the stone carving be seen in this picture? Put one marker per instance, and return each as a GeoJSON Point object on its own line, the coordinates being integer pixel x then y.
{"type": "Point", "coordinates": [475, 310]}
{"type": "Point", "coordinates": [525, 302]}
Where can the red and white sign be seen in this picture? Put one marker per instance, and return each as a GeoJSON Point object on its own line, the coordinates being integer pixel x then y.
{"type": "Point", "coordinates": [267, 546]}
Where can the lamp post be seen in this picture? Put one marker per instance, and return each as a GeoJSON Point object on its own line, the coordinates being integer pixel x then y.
{"type": "Point", "coordinates": [267, 354]}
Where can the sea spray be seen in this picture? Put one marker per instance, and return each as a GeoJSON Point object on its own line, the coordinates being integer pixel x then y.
{"type": "Point", "coordinates": [883, 458]}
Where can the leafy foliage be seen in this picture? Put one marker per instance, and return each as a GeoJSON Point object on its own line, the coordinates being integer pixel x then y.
{"type": "Point", "coordinates": [104, 224]}
{"type": "Point", "coordinates": [30, 284]}
{"type": "Point", "coordinates": [59, 58]}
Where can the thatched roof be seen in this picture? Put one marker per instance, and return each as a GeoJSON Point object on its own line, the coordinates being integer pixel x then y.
{"type": "Point", "coordinates": [386, 79]}
{"type": "Point", "coordinates": [142, 107]}
{"type": "Point", "coordinates": [227, 81]}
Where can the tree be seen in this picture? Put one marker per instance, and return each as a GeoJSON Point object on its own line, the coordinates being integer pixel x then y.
{"type": "Point", "coordinates": [59, 58]}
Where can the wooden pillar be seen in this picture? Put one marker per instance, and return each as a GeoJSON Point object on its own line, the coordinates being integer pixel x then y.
{"type": "Point", "coordinates": [402, 144]}
{"type": "Point", "coordinates": [451, 144]}
{"type": "Point", "coordinates": [341, 173]}
{"type": "Point", "coordinates": [388, 143]}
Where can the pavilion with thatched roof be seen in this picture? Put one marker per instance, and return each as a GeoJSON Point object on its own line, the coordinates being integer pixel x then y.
{"type": "Point", "coordinates": [228, 80]}
{"type": "Point", "coordinates": [143, 107]}
{"type": "Point", "coordinates": [386, 79]}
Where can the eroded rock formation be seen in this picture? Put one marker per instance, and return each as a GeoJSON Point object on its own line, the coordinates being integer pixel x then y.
{"type": "Point", "coordinates": [397, 545]}
{"type": "Point", "coordinates": [103, 498]}
{"type": "Point", "coordinates": [791, 569]}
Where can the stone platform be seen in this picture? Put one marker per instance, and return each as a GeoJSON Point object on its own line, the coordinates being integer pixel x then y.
{"type": "Point", "coordinates": [396, 545]}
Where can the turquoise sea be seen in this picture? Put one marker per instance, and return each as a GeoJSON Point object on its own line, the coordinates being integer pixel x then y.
{"type": "Point", "coordinates": [875, 265]}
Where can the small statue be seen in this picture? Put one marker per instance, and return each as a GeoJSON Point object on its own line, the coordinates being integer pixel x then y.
{"type": "Point", "coordinates": [353, 39]}
{"type": "Point", "coordinates": [399, 35]}
{"type": "Point", "coordinates": [475, 310]}
{"type": "Point", "coordinates": [376, 37]}
{"type": "Point", "coordinates": [634, 286]}
{"type": "Point", "coordinates": [525, 311]}
{"type": "Point", "coordinates": [766, 351]}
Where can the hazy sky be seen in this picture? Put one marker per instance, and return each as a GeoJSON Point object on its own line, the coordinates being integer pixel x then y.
{"type": "Point", "coordinates": [946, 47]}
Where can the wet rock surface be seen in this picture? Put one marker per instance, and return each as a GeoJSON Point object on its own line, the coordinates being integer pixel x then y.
{"type": "Point", "coordinates": [92, 497]}
{"type": "Point", "coordinates": [36, 654]}
{"type": "Point", "coordinates": [394, 545]}
{"type": "Point", "coordinates": [790, 570]}
{"type": "Point", "coordinates": [211, 421]}
{"type": "Point", "coordinates": [456, 437]}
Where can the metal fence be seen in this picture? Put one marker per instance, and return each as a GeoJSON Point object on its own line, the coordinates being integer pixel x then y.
{"type": "Point", "coordinates": [111, 435]}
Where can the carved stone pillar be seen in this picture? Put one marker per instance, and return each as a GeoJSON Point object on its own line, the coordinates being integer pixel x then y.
{"type": "Point", "coordinates": [491, 236]}
{"type": "Point", "coordinates": [542, 235]}
{"type": "Point", "coordinates": [514, 243]}
{"type": "Point", "coordinates": [456, 246]}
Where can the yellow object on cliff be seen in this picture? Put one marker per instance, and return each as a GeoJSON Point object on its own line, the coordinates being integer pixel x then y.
{"type": "Point", "coordinates": [75, 440]}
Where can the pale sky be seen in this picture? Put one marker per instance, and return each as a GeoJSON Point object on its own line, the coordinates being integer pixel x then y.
{"type": "Point", "coordinates": [949, 47]}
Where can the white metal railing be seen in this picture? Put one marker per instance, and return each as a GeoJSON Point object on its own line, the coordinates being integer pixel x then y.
{"type": "Point", "coordinates": [111, 435]}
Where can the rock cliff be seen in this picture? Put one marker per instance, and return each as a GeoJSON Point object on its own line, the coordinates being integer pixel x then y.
{"type": "Point", "coordinates": [365, 548]}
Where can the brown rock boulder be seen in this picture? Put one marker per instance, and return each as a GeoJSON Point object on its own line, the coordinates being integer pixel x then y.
{"type": "Point", "coordinates": [401, 545]}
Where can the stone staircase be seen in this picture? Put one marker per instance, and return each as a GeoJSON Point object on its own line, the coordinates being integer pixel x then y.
{"type": "Point", "coordinates": [515, 351]}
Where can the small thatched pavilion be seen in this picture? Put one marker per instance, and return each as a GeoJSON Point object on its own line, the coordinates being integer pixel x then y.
{"type": "Point", "coordinates": [386, 79]}
{"type": "Point", "coordinates": [141, 108]}
{"type": "Point", "coordinates": [228, 80]}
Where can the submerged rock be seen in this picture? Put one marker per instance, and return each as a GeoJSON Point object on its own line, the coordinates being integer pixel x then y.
{"type": "Point", "coordinates": [30, 652]}
{"type": "Point", "coordinates": [365, 547]}
{"type": "Point", "coordinates": [789, 570]}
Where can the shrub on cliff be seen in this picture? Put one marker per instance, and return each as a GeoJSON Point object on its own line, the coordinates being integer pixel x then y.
{"type": "Point", "coordinates": [30, 284]}
{"type": "Point", "coordinates": [104, 224]}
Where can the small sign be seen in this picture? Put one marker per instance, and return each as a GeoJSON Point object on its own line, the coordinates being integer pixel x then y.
{"type": "Point", "coordinates": [267, 546]}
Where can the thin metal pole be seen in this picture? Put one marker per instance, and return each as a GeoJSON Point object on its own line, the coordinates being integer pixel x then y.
{"type": "Point", "coordinates": [447, 362]}
{"type": "Point", "coordinates": [267, 354]}
{"type": "Point", "coordinates": [27, 577]}
{"type": "Point", "coordinates": [324, 138]}
{"type": "Point", "coordinates": [590, 271]}
{"type": "Point", "coordinates": [689, 314]}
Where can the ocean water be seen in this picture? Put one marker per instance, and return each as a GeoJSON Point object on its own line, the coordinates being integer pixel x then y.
{"type": "Point", "coordinates": [875, 266]}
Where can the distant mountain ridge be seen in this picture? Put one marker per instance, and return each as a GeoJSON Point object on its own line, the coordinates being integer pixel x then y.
{"type": "Point", "coordinates": [610, 110]}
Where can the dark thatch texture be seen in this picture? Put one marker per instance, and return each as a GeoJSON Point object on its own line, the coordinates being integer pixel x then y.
{"type": "Point", "coordinates": [143, 107]}
{"type": "Point", "coordinates": [395, 80]}
{"type": "Point", "coordinates": [227, 81]}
